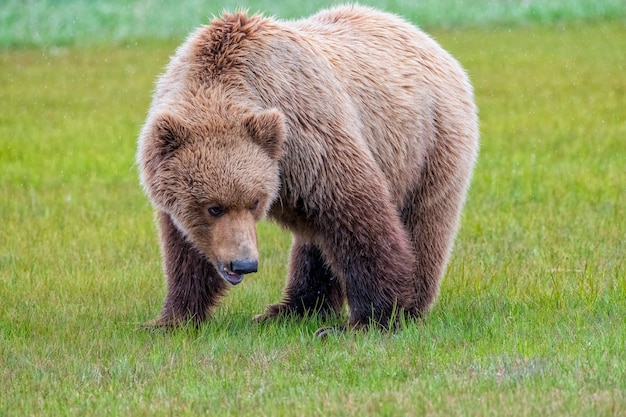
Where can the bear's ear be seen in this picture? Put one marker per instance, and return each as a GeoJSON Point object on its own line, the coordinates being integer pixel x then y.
{"type": "Point", "coordinates": [169, 133]}
{"type": "Point", "coordinates": [267, 129]}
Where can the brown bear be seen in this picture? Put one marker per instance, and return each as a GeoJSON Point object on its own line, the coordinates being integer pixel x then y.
{"type": "Point", "coordinates": [352, 128]}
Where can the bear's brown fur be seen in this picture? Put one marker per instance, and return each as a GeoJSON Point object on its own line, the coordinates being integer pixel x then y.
{"type": "Point", "coordinates": [351, 128]}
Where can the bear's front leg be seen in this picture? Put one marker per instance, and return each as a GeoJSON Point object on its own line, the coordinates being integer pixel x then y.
{"type": "Point", "coordinates": [193, 285]}
{"type": "Point", "coordinates": [312, 288]}
{"type": "Point", "coordinates": [371, 251]}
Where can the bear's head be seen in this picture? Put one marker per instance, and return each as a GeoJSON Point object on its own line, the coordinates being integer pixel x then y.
{"type": "Point", "coordinates": [215, 177]}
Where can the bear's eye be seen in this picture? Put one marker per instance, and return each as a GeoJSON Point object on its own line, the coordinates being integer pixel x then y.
{"type": "Point", "coordinates": [216, 211]}
{"type": "Point", "coordinates": [254, 205]}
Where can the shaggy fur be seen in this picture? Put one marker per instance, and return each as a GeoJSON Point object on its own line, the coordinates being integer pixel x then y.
{"type": "Point", "coordinates": [352, 128]}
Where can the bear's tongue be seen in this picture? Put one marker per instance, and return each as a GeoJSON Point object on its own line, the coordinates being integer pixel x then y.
{"type": "Point", "coordinates": [233, 278]}
{"type": "Point", "coordinates": [228, 275]}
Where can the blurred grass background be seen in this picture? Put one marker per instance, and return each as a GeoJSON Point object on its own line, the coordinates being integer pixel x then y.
{"type": "Point", "coordinates": [63, 22]}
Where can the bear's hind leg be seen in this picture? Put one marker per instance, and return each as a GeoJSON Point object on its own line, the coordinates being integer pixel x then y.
{"type": "Point", "coordinates": [432, 221]}
{"type": "Point", "coordinates": [193, 285]}
{"type": "Point", "coordinates": [312, 288]}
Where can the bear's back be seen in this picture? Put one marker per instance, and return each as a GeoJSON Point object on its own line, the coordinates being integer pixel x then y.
{"type": "Point", "coordinates": [398, 79]}
{"type": "Point", "coordinates": [370, 74]}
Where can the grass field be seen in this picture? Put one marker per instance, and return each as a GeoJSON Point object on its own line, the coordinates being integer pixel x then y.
{"type": "Point", "coordinates": [530, 320]}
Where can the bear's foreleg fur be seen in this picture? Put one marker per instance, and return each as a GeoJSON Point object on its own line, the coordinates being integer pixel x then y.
{"type": "Point", "coordinates": [370, 249]}
{"type": "Point", "coordinates": [193, 285]}
{"type": "Point", "coordinates": [311, 289]}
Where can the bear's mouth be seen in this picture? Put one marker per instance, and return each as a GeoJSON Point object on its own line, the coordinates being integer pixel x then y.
{"type": "Point", "coordinates": [228, 275]}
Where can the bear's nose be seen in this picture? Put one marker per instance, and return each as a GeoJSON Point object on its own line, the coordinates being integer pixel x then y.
{"type": "Point", "coordinates": [244, 267]}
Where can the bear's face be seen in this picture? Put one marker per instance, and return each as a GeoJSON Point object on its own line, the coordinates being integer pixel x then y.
{"type": "Point", "coordinates": [215, 179]}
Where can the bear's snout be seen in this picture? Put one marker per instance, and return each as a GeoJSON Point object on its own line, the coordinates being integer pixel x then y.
{"type": "Point", "coordinates": [234, 271]}
{"type": "Point", "coordinates": [243, 267]}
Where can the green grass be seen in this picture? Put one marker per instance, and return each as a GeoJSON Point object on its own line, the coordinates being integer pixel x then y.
{"type": "Point", "coordinates": [530, 320]}
{"type": "Point", "coordinates": [53, 22]}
